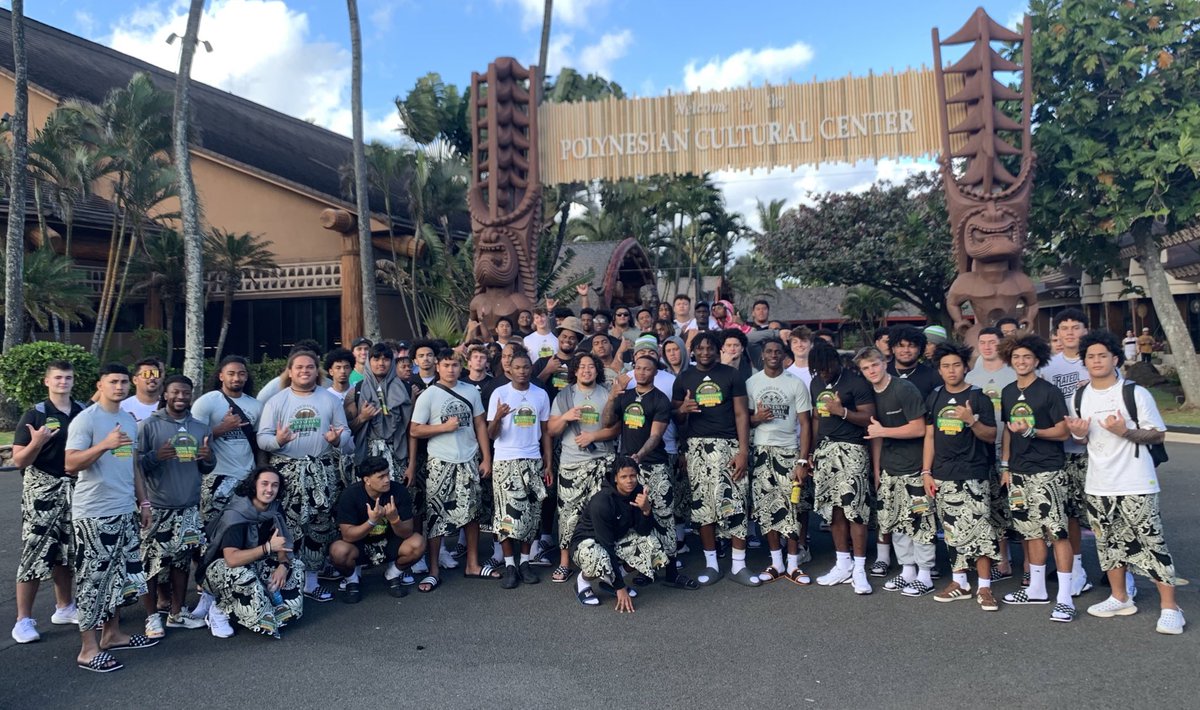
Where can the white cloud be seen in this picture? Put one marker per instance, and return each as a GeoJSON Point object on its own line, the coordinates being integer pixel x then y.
{"type": "Point", "coordinates": [558, 54]}
{"type": "Point", "coordinates": [262, 51]}
{"type": "Point", "coordinates": [572, 13]}
{"type": "Point", "coordinates": [598, 58]}
{"type": "Point", "coordinates": [85, 23]}
{"type": "Point", "coordinates": [746, 66]}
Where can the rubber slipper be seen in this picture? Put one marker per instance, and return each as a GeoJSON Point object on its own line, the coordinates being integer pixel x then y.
{"type": "Point", "coordinates": [682, 581]}
{"type": "Point", "coordinates": [608, 589]}
{"type": "Point", "coordinates": [800, 577]}
{"type": "Point", "coordinates": [642, 580]}
{"type": "Point", "coordinates": [746, 578]}
{"type": "Point", "coordinates": [561, 574]}
{"type": "Point", "coordinates": [102, 663]}
{"type": "Point", "coordinates": [770, 574]}
{"type": "Point", "coordinates": [587, 597]}
{"type": "Point", "coordinates": [710, 576]}
{"type": "Point", "coordinates": [485, 572]}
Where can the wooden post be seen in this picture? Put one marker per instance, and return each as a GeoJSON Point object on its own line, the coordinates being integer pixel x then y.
{"type": "Point", "coordinates": [345, 224]}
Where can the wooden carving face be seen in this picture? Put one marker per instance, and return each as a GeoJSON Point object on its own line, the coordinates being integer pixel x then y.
{"type": "Point", "coordinates": [495, 258]}
{"type": "Point", "coordinates": [992, 232]}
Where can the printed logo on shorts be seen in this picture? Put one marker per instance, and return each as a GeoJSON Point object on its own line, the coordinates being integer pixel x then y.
{"type": "Point", "coordinates": [947, 423]}
{"type": "Point", "coordinates": [1022, 413]}
{"type": "Point", "coordinates": [185, 446]}
{"type": "Point", "coordinates": [525, 416]}
{"type": "Point", "coordinates": [709, 394]}
{"type": "Point", "coordinates": [635, 416]}
{"type": "Point", "coordinates": [823, 401]}
{"type": "Point", "coordinates": [305, 420]}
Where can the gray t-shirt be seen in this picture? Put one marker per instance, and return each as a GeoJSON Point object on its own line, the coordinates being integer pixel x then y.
{"type": "Point", "coordinates": [309, 417]}
{"type": "Point", "coordinates": [105, 488]}
{"type": "Point", "coordinates": [992, 383]}
{"type": "Point", "coordinates": [231, 449]}
{"type": "Point", "coordinates": [786, 396]}
{"type": "Point", "coordinates": [436, 406]}
{"type": "Point", "coordinates": [591, 406]}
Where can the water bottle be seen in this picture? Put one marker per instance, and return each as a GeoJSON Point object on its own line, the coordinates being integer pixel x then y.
{"type": "Point", "coordinates": [276, 598]}
{"type": "Point", "coordinates": [795, 492]}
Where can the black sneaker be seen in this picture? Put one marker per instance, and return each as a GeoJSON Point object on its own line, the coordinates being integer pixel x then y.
{"type": "Point", "coordinates": [528, 576]}
{"type": "Point", "coordinates": [351, 594]}
{"type": "Point", "coordinates": [510, 580]}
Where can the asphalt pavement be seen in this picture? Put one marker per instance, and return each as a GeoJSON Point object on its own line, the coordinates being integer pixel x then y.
{"type": "Point", "coordinates": [472, 644]}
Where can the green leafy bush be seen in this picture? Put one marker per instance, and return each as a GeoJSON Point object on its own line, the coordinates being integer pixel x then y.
{"type": "Point", "coordinates": [267, 370]}
{"type": "Point", "coordinates": [23, 369]}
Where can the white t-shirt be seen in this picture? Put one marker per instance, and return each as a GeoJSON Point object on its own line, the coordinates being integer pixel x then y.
{"type": "Point", "coordinates": [786, 396]}
{"type": "Point", "coordinates": [1113, 470]}
{"type": "Point", "coordinates": [1130, 344]}
{"type": "Point", "coordinates": [139, 409]}
{"type": "Point", "coordinates": [691, 325]}
{"type": "Point", "coordinates": [803, 373]}
{"type": "Point", "coordinates": [540, 346]}
{"type": "Point", "coordinates": [340, 395]}
{"type": "Point", "coordinates": [521, 431]}
{"type": "Point", "coordinates": [1066, 375]}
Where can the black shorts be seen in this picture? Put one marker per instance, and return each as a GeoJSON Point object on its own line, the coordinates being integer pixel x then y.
{"type": "Point", "coordinates": [379, 551]}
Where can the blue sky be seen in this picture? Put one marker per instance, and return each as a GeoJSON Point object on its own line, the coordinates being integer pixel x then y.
{"type": "Point", "coordinates": [294, 55]}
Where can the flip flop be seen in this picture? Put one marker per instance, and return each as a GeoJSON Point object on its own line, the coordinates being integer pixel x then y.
{"type": "Point", "coordinates": [746, 578]}
{"type": "Point", "coordinates": [561, 574]}
{"type": "Point", "coordinates": [102, 663]}
{"type": "Point", "coordinates": [485, 572]}
{"type": "Point", "coordinates": [713, 576]}
{"type": "Point", "coordinates": [800, 577]}
{"type": "Point", "coordinates": [135, 642]}
{"type": "Point", "coordinates": [428, 584]}
{"type": "Point", "coordinates": [587, 597]}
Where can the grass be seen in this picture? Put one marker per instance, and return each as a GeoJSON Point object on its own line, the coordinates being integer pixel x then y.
{"type": "Point", "coordinates": [1169, 408]}
{"type": "Point", "coordinates": [6, 438]}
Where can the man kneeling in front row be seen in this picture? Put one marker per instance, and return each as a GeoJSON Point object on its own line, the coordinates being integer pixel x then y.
{"type": "Point", "coordinates": [616, 529]}
{"type": "Point", "coordinates": [375, 520]}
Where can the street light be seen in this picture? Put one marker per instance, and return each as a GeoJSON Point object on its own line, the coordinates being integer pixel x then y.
{"type": "Point", "coordinates": [207, 45]}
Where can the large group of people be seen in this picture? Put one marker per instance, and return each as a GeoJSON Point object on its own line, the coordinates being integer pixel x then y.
{"type": "Point", "coordinates": [591, 443]}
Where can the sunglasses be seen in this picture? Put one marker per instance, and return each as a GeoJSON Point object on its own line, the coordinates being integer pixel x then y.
{"type": "Point", "coordinates": [622, 314]}
{"type": "Point", "coordinates": [149, 374]}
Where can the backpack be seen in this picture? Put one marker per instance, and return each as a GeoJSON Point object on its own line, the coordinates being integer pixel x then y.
{"type": "Point", "coordinates": [1158, 452]}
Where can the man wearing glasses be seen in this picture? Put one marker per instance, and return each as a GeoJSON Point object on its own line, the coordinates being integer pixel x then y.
{"type": "Point", "coordinates": [622, 326]}
{"type": "Point", "coordinates": [147, 381]}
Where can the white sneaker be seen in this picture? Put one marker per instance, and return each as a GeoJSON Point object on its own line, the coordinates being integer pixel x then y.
{"type": "Point", "coordinates": [859, 580]}
{"type": "Point", "coordinates": [202, 606]}
{"type": "Point", "coordinates": [184, 621]}
{"type": "Point", "coordinates": [1079, 583]}
{"type": "Point", "coordinates": [1170, 621]}
{"type": "Point", "coordinates": [1113, 607]}
{"type": "Point", "coordinates": [154, 626]}
{"type": "Point", "coordinates": [68, 614]}
{"type": "Point", "coordinates": [25, 631]}
{"type": "Point", "coordinates": [446, 560]}
{"type": "Point", "coordinates": [804, 555]}
{"type": "Point", "coordinates": [835, 576]}
{"type": "Point", "coordinates": [420, 566]}
{"type": "Point", "coordinates": [218, 622]}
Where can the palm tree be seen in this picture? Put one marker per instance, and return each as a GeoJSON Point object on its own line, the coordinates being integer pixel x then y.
{"type": "Point", "coordinates": [161, 270]}
{"type": "Point", "coordinates": [544, 48]}
{"type": "Point", "coordinates": [52, 289]}
{"type": "Point", "coordinates": [232, 258]}
{"type": "Point", "coordinates": [193, 240]}
{"type": "Point", "coordinates": [366, 249]}
{"type": "Point", "coordinates": [769, 215]}
{"type": "Point", "coordinates": [14, 308]}
{"type": "Point", "coordinates": [60, 157]}
{"type": "Point", "coordinates": [867, 306]}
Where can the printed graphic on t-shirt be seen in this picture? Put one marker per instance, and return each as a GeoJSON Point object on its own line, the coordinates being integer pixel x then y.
{"type": "Point", "coordinates": [53, 423]}
{"type": "Point", "coordinates": [635, 416]}
{"type": "Point", "coordinates": [378, 529]}
{"type": "Point", "coordinates": [823, 401]}
{"type": "Point", "coordinates": [776, 403]}
{"type": "Point", "coordinates": [1022, 412]}
{"type": "Point", "coordinates": [123, 452]}
{"type": "Point", "coordinates": [305, 420]}
{"type": "Point", "coordinates": [525, 416]}
{"type": "Point", "coordinates": [559, 378]}
{"type": "Point", "coordinates": [993, 393]}
{"type": "Point", "coordinates": [947, 423]}
{"type": "Point", "coordinates": [1067, 382]}
{"type": "Point", "coordinates": [545, 350]}
{"type": "Point", "coordinates": [185, 446]}
{"type": "Point", "coordinates": [588, 414]}
{"type": "Point", "coordinates": [455, 408]}
{"type": "Point", "coordinates": [709, 394]}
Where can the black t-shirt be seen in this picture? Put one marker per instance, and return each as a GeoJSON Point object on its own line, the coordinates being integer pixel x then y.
{"type": "Point", "coordinates": [923, 376]}
{"type": "Point", "coordinates": [555, 382]}
{"type": "Point", "coordinates": [1041, 405]}
{"type": "Point", "coordinates": [479, 385]}
{"type": "Point", "coordinates": [714, 391]}
{"type": "Point", "coordinates": [853, 391]}
{"type": "Point", "coordinates": [238, 536]}
{"type": "Point", "coordinates": [52, 457]}
{"type": "Point", "coordinates": [638, 412]}
{"type": "Point", "coordinates": [898, 404]}
{"type": "Point", "coordinates": [352, 508]}
{"type": "Point", "coordinates": [959, 455]}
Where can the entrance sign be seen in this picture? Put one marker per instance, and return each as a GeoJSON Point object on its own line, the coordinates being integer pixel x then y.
{"type": "Point", "coordinates": [844, 120]}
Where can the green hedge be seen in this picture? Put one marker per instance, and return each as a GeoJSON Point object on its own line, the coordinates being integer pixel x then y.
{"type": "Point", "coordinates": [23, 369]}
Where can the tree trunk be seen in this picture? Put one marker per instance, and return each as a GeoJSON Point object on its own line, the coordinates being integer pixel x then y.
{"type": "Point", "coordinates": [115, 241]}
{"type": "Point", "coordinates": [544, 49]}
{"type": "Point", "coordinates": [226, 316]}
{"type": "Point", "coordinates": [115, 306]}
{"type": "Point", "coordinates": [70, 220]}
{"type": "Point", "coordinates": [1184, 354]}
{"type": "Point", "coordinates": [169, 321]}
{"type": "Point", "coordinates": [370, 302]}
{"type": "Point", "coordinates": [193, 240]}
{"type": "Point", "coordinates": [14, 253]}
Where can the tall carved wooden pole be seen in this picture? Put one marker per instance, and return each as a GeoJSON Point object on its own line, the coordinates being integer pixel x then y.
{"type": "Point", "coordinates": [988, 205]}
{"type": "Point", "coordinates": [505, 195]}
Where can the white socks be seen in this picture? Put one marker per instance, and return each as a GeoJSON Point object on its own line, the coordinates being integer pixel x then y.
{"type": "Point", "coordinates": [883, 553]}
{"type": "Point", "coordinates": [391, 572]}
{"type": "Point", "coordinates": [860, 563]}
{"type": "Point", "coordinates": [581, 583]}
{"type": "Point", "coordinates": [1077, 567]}
{"type": "Point", "coordinates": [843, 560]}
{"type": "Point", "coordinates": [739, 560]}
{"type": "Point", "coordinates": [793, 563]}
{"type": "Point", "coordinates": [1037, 581]}
{"type": "Point", "coordinates": [510, 561]}
{"type": "Point", "coordinates": [963, 583]}
{"type": "Point", "coordinates": [777, 559]}
{"type": "Point", "coordinates": [908, 573]}
{"type": "Point", "coordinates": [985, 582]}
{"type": "Point", "coordinates": [710, 559]}
{"type": "Point", "coordinates": [353, 579]}
{"type": "Point", "coordinates": [1064, 589]}
{"type": "Point", "coordinates": [924, 576]}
